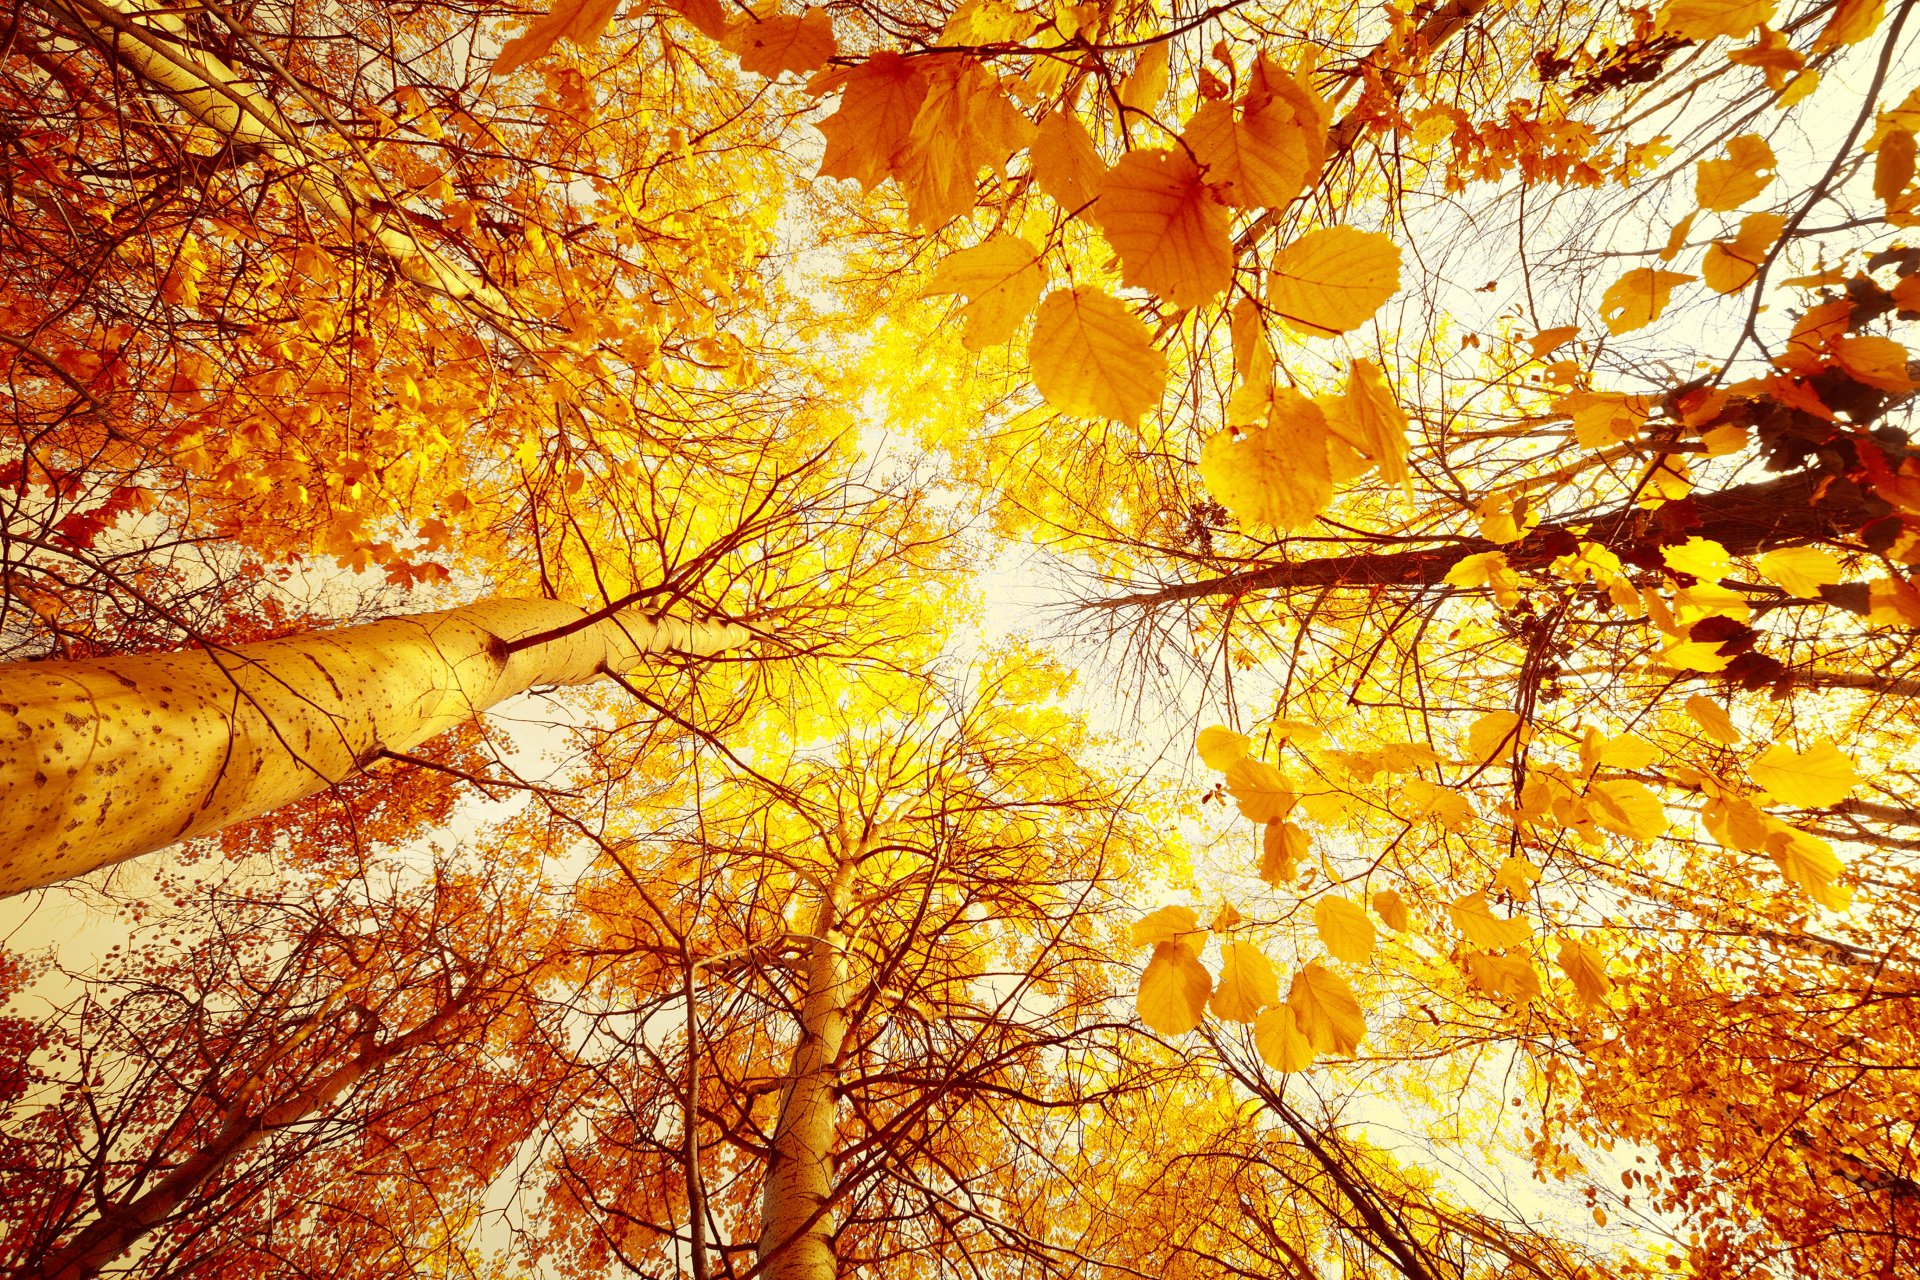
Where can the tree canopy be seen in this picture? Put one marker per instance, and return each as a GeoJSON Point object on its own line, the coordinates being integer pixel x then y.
{"type": "Point", "coordinates": [992, 638]}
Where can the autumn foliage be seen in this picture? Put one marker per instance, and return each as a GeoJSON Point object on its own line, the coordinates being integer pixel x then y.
{"type": "Point", "coordinates": [1320, 612]}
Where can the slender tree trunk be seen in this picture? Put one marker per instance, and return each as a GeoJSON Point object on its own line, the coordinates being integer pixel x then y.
{"type": "Point", "coordinates": [796, 1233]}
{"type": "Point", "coordinates": [105, 759]}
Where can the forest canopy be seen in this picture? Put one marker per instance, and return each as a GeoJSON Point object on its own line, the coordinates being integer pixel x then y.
{"type": "Point", "coordinates": [1000, 639]}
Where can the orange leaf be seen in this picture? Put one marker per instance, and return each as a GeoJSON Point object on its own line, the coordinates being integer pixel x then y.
{"type": "Point", "coordinates": [1636, 299]}
{"type": "Point", "coordinates": [1001, 278]}
{"type": "Point", "coordinates": [580, 21]}
{"type": "Point", "coordinates": [878, 102]}
{"type": "Point", "coordinates": [1064, 161]}
{"type": "Point", "coordinates": [1170, 233]}
{"type": "Point", "coordinates": [1330, 281]}
{"type": "Point", "coordinates": [1729, 183]}
{"type": "Point", "coordinates": [782, 42]}
{"type": "Point", "coordinates": [1091, 356]}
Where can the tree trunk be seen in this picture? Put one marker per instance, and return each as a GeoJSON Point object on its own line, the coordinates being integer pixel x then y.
{"type": "Point", "coordinates": [796, 1234]}
{"type": "Point", "coordinates": [104, 759]}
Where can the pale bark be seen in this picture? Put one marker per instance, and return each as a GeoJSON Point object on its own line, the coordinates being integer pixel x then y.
{"type": "Point", "coordinates": [796, 1233]}
{"type": "Point", "coordinates": [104, 759]}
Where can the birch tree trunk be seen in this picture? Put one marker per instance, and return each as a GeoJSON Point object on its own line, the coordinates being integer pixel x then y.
{"type": "Point", "coordinates": [796, 1233]}
{"type": "Point", "coordinates": [105, 759]}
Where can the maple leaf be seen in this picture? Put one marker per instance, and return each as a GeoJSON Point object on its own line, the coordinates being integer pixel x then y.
{"type": "Point", "coordinates": [1275, 473]}
{"type": "Point", "coordinates": [1637, 298]}
{"type": "Point", "coordinates": [1092, 356]}
{"type": "Point", "coordinates": [1001, 277]}
{"type": "Point", "coordinates": [1328, 1015]}
{"type": "Point", "coordinates": [1170, 233]}
{"type": "Point", "coordinates": [1247, 983]}
{"type": "Point", "coordinates": [1331, 281]}
{"type": "Point", "coordinates": [1344, 929]}
{"type": "Point", "coordinates": [879, 100]}
{"type": "Point", "coordinates": [771, 43]}
{"type": "Point", "coordinates": [1174, 990]}
{"type": "Point", "coordinates": [1744, 173]}
{"type": "Point", "coordinates": [578, 21]}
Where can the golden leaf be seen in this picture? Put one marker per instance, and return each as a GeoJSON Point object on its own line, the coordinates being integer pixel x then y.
{"type": "Point", "coordinates": [1627, 808]}
{"type": "Point", "coordinates": [1392, 909]}
{"type": "Point", "coordinates": [1174, 989]}
{"type": "Point", "coordinates": [1256, 158]}
{"type": "Point", "coordinates": [1001, 277]}
{"type": "Point", "coordinates": [966, 123]}
{"type": "Point", "coordinates": [1510, 976]}
{"type": "Point", "coordinates": [1813, 779]}
{"type": "Point", "coordinates": [1281, 849]}
{"type": "Point", "coordinates": [1092, 357]}
{"type": "Point", "coordinates": [1170, 233]}
{"type": "Point", "coordinates": [1517, 876]}
{"type": "Point", "coordinates": [781, 42]}
{"type": "Point", "coordinates": [1344, 929]}
{"type": "Point", "coordinates": [1331, 281]}
{"type": "Point", "coordinates": [879, 100]}
{"type": "Point", "coordinates": [1637, 298]}
{"type": "Point", "coordinates": [1220, 746]}
{"type": "Point", "coordinates": [1587, 968]}
{"type": "Point", "coordinates": [1851, 22]}
{"type": "Point", "coordinates": [1800, 571]}
{"type": "Point", "coordinates": [1496, 736]}
{"type": "Point", "coordinates": [1146, 84]}
{"type": "Point", "coordinates": [1731, 264]}
{"type": "Point", "coordinates": [1475, 919]}
{"type": "Point", "coordinates": [1324, 1006]}
{"type": "Point", "coordinates": [1247, 983]}
{"type": "Point", "coordinates": [1877, 362]}
{"type": "Point", "coordinates": [1168, 924]}
{"type": "Point", "coordinates": [1262, 791]}
{"type": "Point", "coordinates": [578, 21]}
{"type": "Point", "coordinates": [1727, 184]}
{"type": "Point", "coordinates": [1368, 418]}
{"type": "Point", "coordinates": [1065, 164]}
{"type": "Point", "coordinates": [1705, 19]}
{"type": "Point", "coordinates": [1275, 474]}
{"type": "Point", "coordinates": [1808, 862]}
{"type": "Point", "coordinates": [1276, 1034]}
{"type": "Point", "coordinates": [1548, 341]}
{"type": "Point", "coordinates": [1713, 721]}
{"type": "Point", "coordinates": [706, 16]}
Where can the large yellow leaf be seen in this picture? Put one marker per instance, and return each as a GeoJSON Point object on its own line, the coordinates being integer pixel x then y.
{"type": "Point", "coordinates": [1800, 571]}
{"type": "Point", "coordinates": [1174, 989]}
{"type": "Point", "coordinates": [1730, 264]}
{"type": "Point", "coordinates": [1324, 1006]}
{"type": "Point", "coordinates": [1392, 909]}
{"type": "Point", "coordinates": [1274, 475]}
{"type": "Point", "coordinates": [1705, 19]}
{"type": "Point", "coordinates": [1878, 362]}
{"type": "Point", "coordinates": [579, 21]}
{"type": "Point", "coordinates": [879, 99]}
{"type": "Point", "coordinates": [1628, 808]}
{"type": "Point", "coordinates": [1497, 735]}
{"type": "Point", "coordinates": [1220, 746]}
{"type": "Point", "coordinates": [1282, 847]}
{"type": "Point", "coordinates": [783, 42]}
{"type": "Point", "coordinates": [1344, 929]}
{"type": "Point", "coordinates": [1712, 719]}
{"type": "Point", "coordinates": [1256, 157]}
{"type": "Point", "coordinates": [1333, 280]}
{"type": "Point", "coordinates": [1247, 984]}
{"type": "Point", "coordinates": [1001, 278]}
{"type": "Point", "coordinates": [1852, 22]}
{"type": "Point", "coordinates": [1808, 862]}
{"type": "Point", "coordinates": [1812, 780]}
{"type": "Point", "coordinates": [1065, 164]}
{"type": "Point", "coordinates": [1511, 976]}
{"type": "Point", "coordinates": [1743, 173]}
{"type": "Point", "coordinates": [1276, 1034]}
{"type": "Point", "coordinates": [1473, 917]}
{"type": "Point", "coordinates": [1168, 924]}
{"type": "Point", "coordinates": [965, 123]}
{"type": "Point", "coordinates": [1262, 791]}
{"type": "Point", "coordinates": [1587, 968]}
{"type": "Point", "coordinates": [1146, 84]}
{"type": "Point", "coordinates": [1637, 298]}
{"type": "Point", "coordinates": [1170, 233]}
{"type": "Point", "coordinates": [1091, 356]}
{"type": "Point", "coordinates": [1368, 418]}
{"type": "Point", "coordinates": [1517, 876]}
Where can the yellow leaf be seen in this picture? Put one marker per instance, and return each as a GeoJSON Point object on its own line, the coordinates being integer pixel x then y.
{"type": "Point", "coordinates": [1225, 918]}
{"type": "Point", "coordinates": [1220, 746]}
{"type": "Point", "coordinates": [1324, 1006]}
{"type": "Point", "coordinates": [1811, 780]}
{"type": "Point", "coordinates": [1369, 419]}
{"type": "Point", "coordinates": [1705, 19]}
{"type": "Point", "coordinates": [965, 123]}
{"type": "Point", "coordinates": [1391, 909]}
{"type": "Point", "coordinates": [1701, 557]}
{"type": "Point", "coordinates": [1496, 735]}
{"type": "Point", "coordinates": [1487, 569]}
{"type": "Point", "coordinates": [1877, 362]}
{"type": "Point", "coordinates": [1893, 165]}
{"type": "Point", "coordinates": [1512, 976]}
{"type": "Point", "coordinates": [1713, 721]}
{"type": "Point", "coordinates": [1065, 164]}
{"type": "Point", "coordinates": [1247, 984]}
{"type": "Point", "coordinates": [1261, 790]}
{"type": "Point", "coordinates": [1257, 158]}
{"type": "Point", "coordinates": [578, 21]}
{"type": "Point", "coordinates": [1174, 990]}
{"type": "Point", "coordinates": [1344, 929]}
{"type": "Point", "coordinates": [1474, 918]}
{"type": "Point", "coordinates": [1628, 751]}
{"type": "Point", "coordinates": [1588, 970]}
{"type": "Point", "coordinates": [1852, 21]}
{"type": "Point", "coordinates": [1517, 876]}
{"type": "Point", "coordinates": [1001, 278]}
{"type": "Point", "coordinates": [1808, 862]}
{"type": "Point", "coordinates": [1168, 924]}
{"type": "Point", "coordinates": [879, 100]}
{"type": "Point", "coordinates": [1331, 281]}
{"type": "Point", "coordinates": [1092, 357]}
{"type": "Point", "coordinates": [1744, 173]}
{"type": "Point", "coordinates": [1548, 341]}
{"type": "Point", "coordinates": [1628, 808]}
{"type": "Point", "coordinates": [1637, 298]}
{"type": "Point", "coordinates": [1276, 474]}
{"type": "Point", "coordinates": [1276, 1034]}
{"type": "Point", "coordinates": [1281, 849]}
{"type": "Point", "coordinates": [1730, 264]}
{"type": "Point", "coordinates": [1800, 571]}
{"type": "Point", "coordinates": [782, 42]}
{"type": "Point", "coordinates": [1146, 84]}
{"type": "Point", "coordinates": [706, 16]}
{"type": "Point", "coordinates": [1170, 233]}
